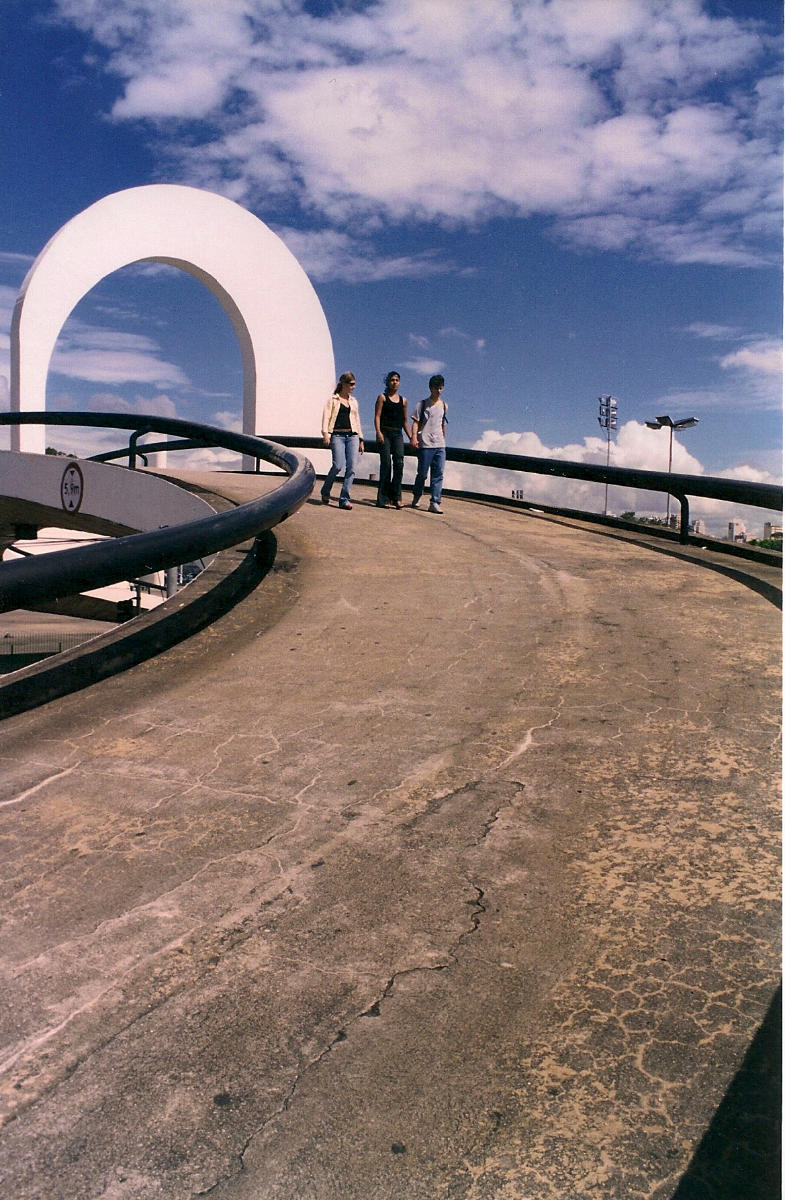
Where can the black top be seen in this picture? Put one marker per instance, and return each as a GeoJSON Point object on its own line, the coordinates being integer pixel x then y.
{"type": "Point", "coordinates": [392, 414]}
{"type": "Point", "coordinates": [343, 423]}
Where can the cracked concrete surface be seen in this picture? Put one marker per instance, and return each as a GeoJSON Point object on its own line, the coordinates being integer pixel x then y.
{"type": "Point", "coordinates": [445, 865]}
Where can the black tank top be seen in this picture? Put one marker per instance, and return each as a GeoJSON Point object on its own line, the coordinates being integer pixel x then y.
{"type": "Point", "coordinates": [392, 414]}
{"type": "Point", "coordinates": [343, 423]}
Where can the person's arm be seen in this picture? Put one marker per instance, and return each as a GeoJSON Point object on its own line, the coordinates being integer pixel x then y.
{"type": "Point", "coordinates": [361, 442]}
{"type": "Point", "coordinates": [377, 416]}
{"type": "Point", "coordinates": [406, 428]}
{"type": "Point", "coordinates": [414, 439]}
{"type": "Point", "coordinates": [326, 421]}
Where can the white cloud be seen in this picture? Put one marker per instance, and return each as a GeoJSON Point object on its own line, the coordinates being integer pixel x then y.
{"type": "Point", "coordinates": [703, 329]}
{"type": "Point", "coordinates": [755, 364]}
{"type": "Point", "coordinates": [762, 357]}
{"type": "Point", "coordinates": [85, 440]}
{"type": "Point", "coordinates": [647, 127]}
{"type": "Point", "coordinates": [750, 473]}
{"type": "Point", "coordinates": [97, 366]}
{"type": "Point", "coordinates": [207, 459]}
{"type": "Point", "coordinates": [424, 366]}
{"type": "Point", "coordinates": [635, 446]}
{"type": "Point", "coordinates": [7, 301]}
{"type": "Point", "coordinates": [451, 331]}
{"type": "Point", "coordinates": [230, 421]}
{"type": "Point", "coordinates": [758, 367]}
{"type": "Point", "coordinates": [9, 258]}
{"type": "Point", "coordinates": [104, 356]}
{"type": "Point", "coordinates": [160, 406]}
{"type": "Point", "coordinates": [329, 255]}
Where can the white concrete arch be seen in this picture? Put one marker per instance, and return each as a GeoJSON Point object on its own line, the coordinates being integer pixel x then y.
{"type": "Point", "coordinates": [287, 354]}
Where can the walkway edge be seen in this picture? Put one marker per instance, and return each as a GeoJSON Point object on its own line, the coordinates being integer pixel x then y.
{"type": "Point", "coordinates": [217, 589]}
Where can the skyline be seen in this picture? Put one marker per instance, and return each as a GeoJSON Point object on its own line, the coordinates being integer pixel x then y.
{"type": "Point", "coordinates": [544, 202]}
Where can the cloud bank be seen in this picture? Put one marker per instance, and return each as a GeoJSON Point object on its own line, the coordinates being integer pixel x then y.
{"type": "Point", "coordinates": [104, 356]}
{"type": "Point", "coordinates": [648, 126]}
{"type": "Point", "coordinates": [636, 446]}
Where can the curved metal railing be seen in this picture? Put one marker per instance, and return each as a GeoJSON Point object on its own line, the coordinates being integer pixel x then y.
{"type": "Point", "coordinates": [62, 573]}
{"type": "Point", "coordinates": [69, 571]}
{"type": "Point", "coordinates": [681, 487]}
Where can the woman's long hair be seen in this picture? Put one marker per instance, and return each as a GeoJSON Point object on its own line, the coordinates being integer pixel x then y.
{"type": "Point", "coordinates": [347, 377]}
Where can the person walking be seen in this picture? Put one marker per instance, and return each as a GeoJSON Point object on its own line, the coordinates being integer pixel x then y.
{"type": "Point", "coordinates": [342, 432]}
{"type": "Point", "coordinates": [391, 421]}
{"type": "Point", "coordinates": [429, 437]}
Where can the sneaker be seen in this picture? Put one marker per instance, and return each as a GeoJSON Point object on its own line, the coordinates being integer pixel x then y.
{"type": "Point", "coordinates": [435, 508]}
{"type": "Point", "coordinates": [345, 507]}
{"type": "Point", "coordinates": [325, 499]}
{"type": "Point", "coordinates": [415, 503]}
{"type": "Point", "coordinates": [399, 503]}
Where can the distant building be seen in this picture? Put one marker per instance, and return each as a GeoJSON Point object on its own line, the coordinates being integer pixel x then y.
{"type": "Point", "coordinates": [698, 526]}
{"type": "Point", "coordinates": [737, 531]}
{"type": "Point", "coordinates": [772, 531]}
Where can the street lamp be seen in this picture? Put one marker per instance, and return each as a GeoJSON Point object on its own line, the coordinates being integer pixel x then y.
{"type": "Point", "coordinates": [609, 411]}
{"type": "Point", "coordinates": [668, 423]}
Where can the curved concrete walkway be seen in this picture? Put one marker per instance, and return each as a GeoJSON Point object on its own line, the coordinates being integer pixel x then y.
{"type": "Point", "coordinates": [445, 865]}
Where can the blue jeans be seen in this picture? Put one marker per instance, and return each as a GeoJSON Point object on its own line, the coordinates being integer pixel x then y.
{"type": "Point", "coordinates": [390, 466]}
{"type": "Point", "coordinates": [430, 458]}
{"type": "Point", "coordinates": [345, 449]}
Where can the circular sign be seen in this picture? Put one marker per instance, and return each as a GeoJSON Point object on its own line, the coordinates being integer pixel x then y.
{"type": "Point", "coordinates": [72, 488]}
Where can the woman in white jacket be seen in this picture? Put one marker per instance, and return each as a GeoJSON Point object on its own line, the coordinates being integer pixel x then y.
{"type": "Point", "coordinates": [342, 432]}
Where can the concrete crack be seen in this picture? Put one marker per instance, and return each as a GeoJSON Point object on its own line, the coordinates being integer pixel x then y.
{"type": "Point", "coordinates": [373, 1011]}
{"type": "Point", "coordinates": [37, 787]}
{"type": "Point", "coordinates": [527, 741]}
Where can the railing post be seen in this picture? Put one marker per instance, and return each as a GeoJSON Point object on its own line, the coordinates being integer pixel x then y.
{"type": "Point", "coordinates": [684, 527]}
{"type": "Point", "coordinates": [132, 450]}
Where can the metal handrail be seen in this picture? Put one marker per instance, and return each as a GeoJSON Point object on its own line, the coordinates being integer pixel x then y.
{"type": "Point", "coordinates": [133, 451]}
{"type": "Point", "coordinates": [68, 571]}
{"type": "Point", "coordinates": [681, 487]}
{"type": "Point", "coordinates": [64, 572]}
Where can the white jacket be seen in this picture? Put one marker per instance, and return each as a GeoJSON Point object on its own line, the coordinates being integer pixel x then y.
{"type": "Point", "coordinates": [331, 412]}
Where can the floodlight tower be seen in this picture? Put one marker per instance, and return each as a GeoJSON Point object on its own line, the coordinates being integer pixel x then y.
{"type": "Point", "coordinates": [609, 406]}
{"type": "Point", "coordinates": [668, 423]}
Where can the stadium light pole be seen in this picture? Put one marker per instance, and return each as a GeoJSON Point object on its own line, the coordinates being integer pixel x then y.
{"type": "Point", "coordinates": [668, 423]}
{"type": "Point", "coordinates": [609, 407]}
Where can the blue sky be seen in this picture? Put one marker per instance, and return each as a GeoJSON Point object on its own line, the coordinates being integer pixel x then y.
{"type": "Point", "coordinates": [545, 200]}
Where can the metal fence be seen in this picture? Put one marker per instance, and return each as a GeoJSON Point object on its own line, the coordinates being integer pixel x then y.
{"type": "Point", "coordinates": [39, 644]}
{"type": "Point", "coordinates": [18, 650]}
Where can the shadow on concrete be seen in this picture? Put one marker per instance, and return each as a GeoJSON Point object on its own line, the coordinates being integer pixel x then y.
{"type": "Point", "coordinates": [761, 572]}
{"type": "Point", "coordinates": [739, 1157]}
{"type": "Point", "coordinates": [747, 577]}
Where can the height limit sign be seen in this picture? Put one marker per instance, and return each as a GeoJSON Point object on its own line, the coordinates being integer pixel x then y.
{"type": "Point", "coordinates": [71, 488]}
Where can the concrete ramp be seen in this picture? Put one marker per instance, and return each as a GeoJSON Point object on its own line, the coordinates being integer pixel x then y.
{"type": "Point", "coordinates": [444, 865]}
